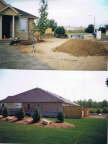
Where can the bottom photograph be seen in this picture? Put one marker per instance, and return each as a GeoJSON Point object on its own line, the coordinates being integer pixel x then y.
{"type": "Point", "coordinates": [53, 107]}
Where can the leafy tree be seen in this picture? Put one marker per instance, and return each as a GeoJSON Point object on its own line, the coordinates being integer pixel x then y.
{"type": "Point", "coordinates": [107, 82]}
{"type": "Point", "coordinates": [51, 24]}
{"type": "Point", "coordinates": [42, 21]}
{"type": "Point", "coordinates": [104, 103]}
{"type": "Point", "coordinates": [60, 30]}
{"type": "Point", "coordinates": [106, 27]}
{"type": "Point", "coordinates": [36, 116]}
{"type": "Point", "coordinates": [90, 29]}
{"type": "Point", "coordinates": [20, 114]}
{"type": "Point", "coordinates": [5, 112]}
{"type": "Point", "coordinates": [60, 117]}
{"type": "Point", "coordinates": [102, 29]}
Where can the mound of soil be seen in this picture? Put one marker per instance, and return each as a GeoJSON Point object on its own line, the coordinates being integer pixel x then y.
{"type": "Point", "coordinates": [83, 48]}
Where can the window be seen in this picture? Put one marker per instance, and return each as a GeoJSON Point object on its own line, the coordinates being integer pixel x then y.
{"type": "Point", "coordinates": [23, 23]}
{"type": "Point", "coordinates": [28, 106]}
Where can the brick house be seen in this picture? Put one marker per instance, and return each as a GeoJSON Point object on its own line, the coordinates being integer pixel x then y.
{"type": "Point", "coordinates": [15, 22]}
{"type": "Point", "coordinates": [48, 103]}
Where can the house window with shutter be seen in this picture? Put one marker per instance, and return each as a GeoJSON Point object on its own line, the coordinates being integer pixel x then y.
{"type": "Point", "coordinates": [23, 24]}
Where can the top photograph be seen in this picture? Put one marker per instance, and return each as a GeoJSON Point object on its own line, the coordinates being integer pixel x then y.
{"type": "Point", "coordinates": [54, 35]}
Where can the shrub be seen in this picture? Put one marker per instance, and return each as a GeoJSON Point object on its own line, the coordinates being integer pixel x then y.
{"type": "Point", "coordinates": [59, 31]}
{"type": "Point", "coordinates": [20, 114]}
{"type": "Point", "coordinates": [98, 111]}
{"type": "Point", "coordinates": [105, 110]}
{"type": "Point", "coordinates": [36, 116]}
{"type": "Point", "coordinates": [60, 117]}
{"type": "Point", "coordinates": [5, 112]}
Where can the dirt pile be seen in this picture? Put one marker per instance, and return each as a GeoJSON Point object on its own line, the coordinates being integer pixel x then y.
{"type": "Point", "coordinates": [83, 48]}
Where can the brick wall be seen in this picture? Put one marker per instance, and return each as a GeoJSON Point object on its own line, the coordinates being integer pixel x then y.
{"type": "Point", "coordinates": [46, 109]}
{"type": "Point", "coordinates": [73, 111]}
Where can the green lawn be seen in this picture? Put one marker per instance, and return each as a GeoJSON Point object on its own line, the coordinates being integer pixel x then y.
{"type": "Point", "coordinates": [87, 131]}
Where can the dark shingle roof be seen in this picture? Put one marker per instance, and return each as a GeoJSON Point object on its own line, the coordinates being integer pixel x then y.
{"type": "Point", "coordinates": [36, 95]}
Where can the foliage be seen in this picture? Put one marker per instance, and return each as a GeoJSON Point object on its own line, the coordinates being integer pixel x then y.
{"type": "Point", "coordinates": [98, 111]}
{"type": "Point", "coordinates": [4, 112]}
{"type": "Point", "coordinates": [20, 114]}
{"type": "Point", "coordinates": [106, 27]}
{"type": "Point", "coordinates": [60, 117]}
{"type": "Point", "coordinates": [102, 29]}
{"type": "Point", "coordinates": [107, 82]}
{"type": "Point", "coordinates": [90, 29]}
{"type": "Point", "coordinates": [36, 116]}
{"type": "Point", "coordinates": [60, 31]}
{"type": "Point", "coordinates": [42, 21]}
{"type": "Point", "coordinates": [105, 110]}
{"type": "Point", "coordinates": [92, 104]}
{"type": "Point", "coordinates": [51, 24]}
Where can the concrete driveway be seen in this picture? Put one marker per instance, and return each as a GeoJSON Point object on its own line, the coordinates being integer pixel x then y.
{"type": "Point", "coordinates": [12, 58]}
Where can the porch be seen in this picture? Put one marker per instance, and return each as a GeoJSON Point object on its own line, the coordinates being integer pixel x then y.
{"type": "Point", "coordinates": [7, 27]}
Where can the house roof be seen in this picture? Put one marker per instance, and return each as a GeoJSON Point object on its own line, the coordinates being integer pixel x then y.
{"type": "Point", "coordinates": [36, 95]}
{"type": "Point", "coordinates": [16, 10]}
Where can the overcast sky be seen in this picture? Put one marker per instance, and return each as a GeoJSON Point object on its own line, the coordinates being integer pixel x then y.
{"type": "Point", "coordinates": [69, 12]}
{"type": "Point", "coordinates": [68, 84]}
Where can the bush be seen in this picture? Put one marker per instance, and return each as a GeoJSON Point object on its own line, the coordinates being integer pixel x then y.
{"type": "Point", "coordinates": [98, 111]}
{"type": "Point", "coordinates": [5, 112]}
{"type": "Point", "coordinates": [36, 116]}
{"type": "Point", "coordinates": [60, 32]}
{"type": "Point", "coordinates": [20, 114]}
{"type": "Point", "coordinates": [105, 110]}
{"type": "Point", "coordinates": [60, 117]}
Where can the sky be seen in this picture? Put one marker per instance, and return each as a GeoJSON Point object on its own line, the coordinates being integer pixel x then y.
{"type": "Point", "coordinates": [73, 85]}
{"type": "Point", "coordinates": [69, 12]}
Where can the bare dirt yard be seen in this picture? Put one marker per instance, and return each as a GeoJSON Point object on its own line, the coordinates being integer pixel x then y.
{"type": "Point", "coordinates": [68, 54]}
{"type": "Point", "coordinates": [83, 48]}
{"type": "Point", "coordinates": [58, 54]}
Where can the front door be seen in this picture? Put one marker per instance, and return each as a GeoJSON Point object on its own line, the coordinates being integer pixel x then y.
{"type": "Point", "coordinates": [6, 27]}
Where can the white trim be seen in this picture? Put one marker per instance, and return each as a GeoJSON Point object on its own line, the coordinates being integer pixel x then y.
{"type": "Point", "coordinates": [9, 6]}
{"type": "Point", "coordinates": [13, 27]}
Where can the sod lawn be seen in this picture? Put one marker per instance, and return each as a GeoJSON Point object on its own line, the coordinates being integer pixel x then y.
{"type": "Point", "coordinates": [86, 131]}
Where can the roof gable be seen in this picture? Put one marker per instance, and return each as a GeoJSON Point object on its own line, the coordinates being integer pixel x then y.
{"type": "Point", "coordinates": [8, 11]}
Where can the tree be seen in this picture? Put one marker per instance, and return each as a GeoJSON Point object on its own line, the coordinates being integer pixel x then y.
{"type": "Point", "coordinates": [60, 117]}
{"type": "Point", "coordinates": [36, 116]}
{"type": "Point", "coordinates": [20, 114]}
{"type": "Point", "coordinates": [104, 103]}
{"type": "Point", "coordinates": [90, 29]}
{"type": "Point", "coordinates": [102, 29]}
{"type": "Point", "coordinates": [107, 82]}
{"type": "Point", "coordinates": [5, 112]}
{"type": "Point", "coordinates": [106, 27]}
{"type": "Point", "coordinates": [42, 21]}
{"type": "Point", "coordinates": [51, 24]}
{"type": "Point", "coordinates": [60, 32]}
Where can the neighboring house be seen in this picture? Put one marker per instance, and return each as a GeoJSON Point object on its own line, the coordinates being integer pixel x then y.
{"type": "Point", "coordinates": [48, 103]}
{"type": "Point", "coordinates": [15, 23]}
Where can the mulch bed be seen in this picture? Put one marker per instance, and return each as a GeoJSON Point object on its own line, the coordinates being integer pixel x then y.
{"type": "Point", "coordinates": [28, 121]}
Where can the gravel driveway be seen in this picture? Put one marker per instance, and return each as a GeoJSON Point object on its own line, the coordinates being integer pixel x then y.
{"type": "Point", "coordinates": [12, 58]}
